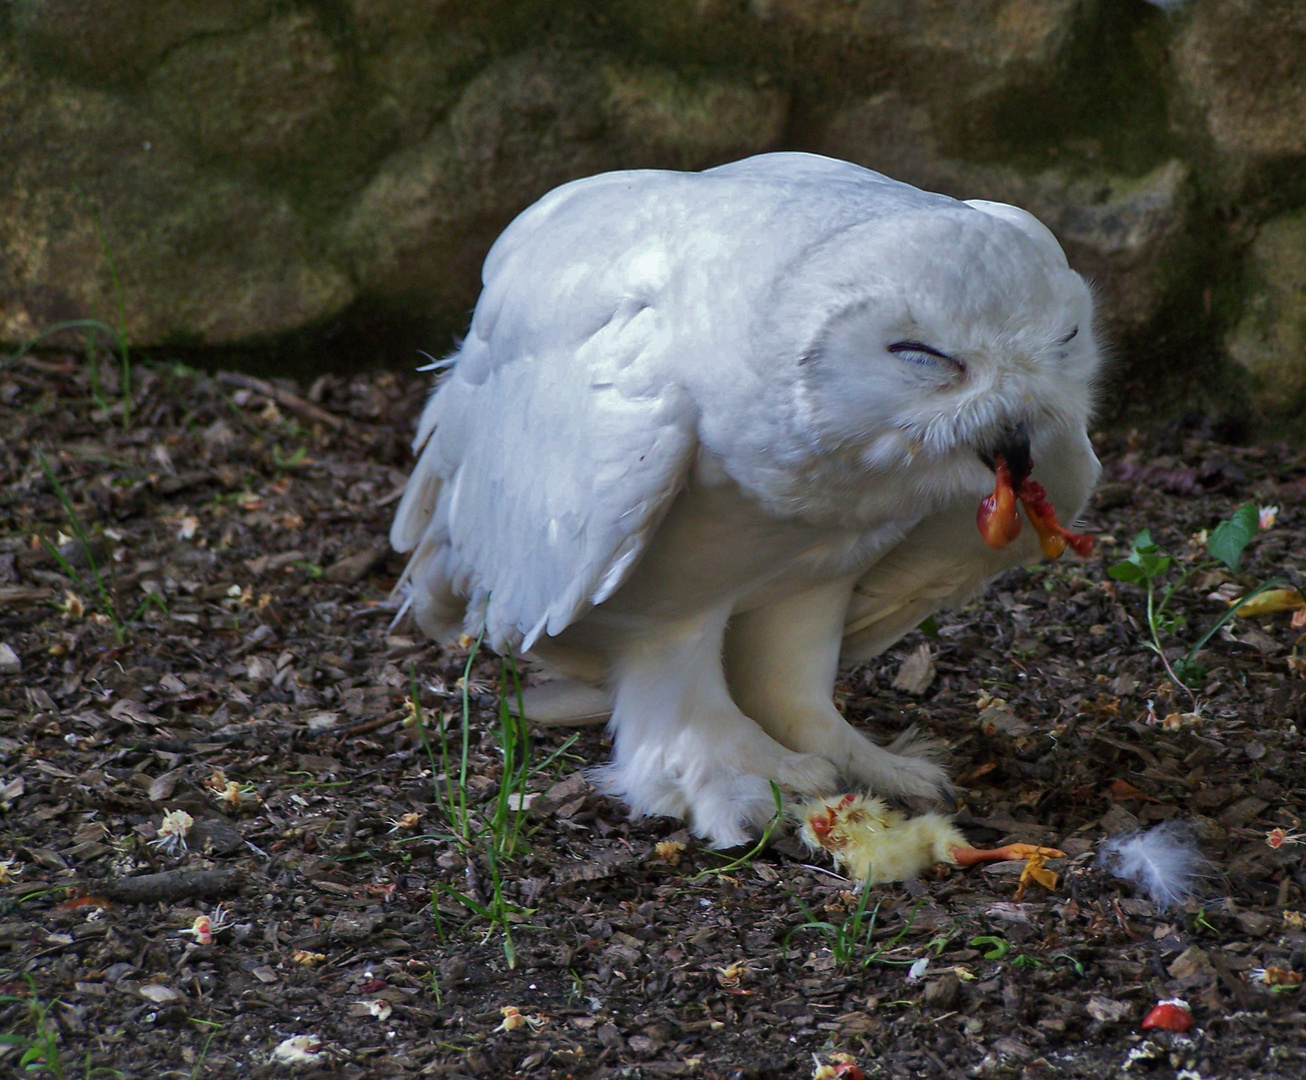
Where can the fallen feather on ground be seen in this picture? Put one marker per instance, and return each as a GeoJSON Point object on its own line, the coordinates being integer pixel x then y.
{"type": "Point", "coordinates": [1164, 862]}
{"type": "Point", "coordinates": [298, 1050]}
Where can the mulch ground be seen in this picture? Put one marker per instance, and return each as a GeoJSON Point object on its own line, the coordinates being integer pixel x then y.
{"type": "Point", "coordinates": [236, 662]}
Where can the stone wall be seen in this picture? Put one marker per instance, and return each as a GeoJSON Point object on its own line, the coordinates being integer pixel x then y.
{"type": "Point", "coordinates": [251, 172]}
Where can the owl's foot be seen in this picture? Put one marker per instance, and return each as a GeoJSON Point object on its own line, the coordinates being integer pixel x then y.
{"type": "Point", "coordinates": [782, 660]}
{"type": "Point", "coordinates": [716, 774]}
{"type": "Point", "coordinates": [682, 747]}
{"type": "Point", "coordinates": [908, 768]}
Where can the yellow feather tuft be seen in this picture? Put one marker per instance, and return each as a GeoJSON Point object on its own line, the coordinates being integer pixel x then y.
{"type": "Point", "coordinates": [874, 843]}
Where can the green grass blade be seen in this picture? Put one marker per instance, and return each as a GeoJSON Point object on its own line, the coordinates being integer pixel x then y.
{"type": "Point", "coordinates": [106, 600]}
{"type": "Point", "coordinates": [758, 848]}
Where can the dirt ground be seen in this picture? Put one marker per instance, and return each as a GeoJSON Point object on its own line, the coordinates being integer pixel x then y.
{"type": "Point", "coordinates": [238, 664]}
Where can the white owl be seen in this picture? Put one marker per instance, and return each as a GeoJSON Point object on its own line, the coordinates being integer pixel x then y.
{"type": "Point", "coordinates": [711, 433]}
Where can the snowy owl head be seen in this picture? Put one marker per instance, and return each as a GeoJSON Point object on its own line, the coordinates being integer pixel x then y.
{"type": "Point", "coordinates": [925, 340]}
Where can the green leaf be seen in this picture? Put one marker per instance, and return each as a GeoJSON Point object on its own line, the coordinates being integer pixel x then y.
{"type": "Point", "coordinates": [1153, 565]}
{"type": "Point", "coordinates": [1129, 572]}
{"type": "Point", "coordinates": [997, 947]}
{"type": "Point", "coordinates": [1143, 564]}
{"type": "Point", "coordinates": [1143, 542]}
{"type": "Point", "coordinates": [1230, 538]}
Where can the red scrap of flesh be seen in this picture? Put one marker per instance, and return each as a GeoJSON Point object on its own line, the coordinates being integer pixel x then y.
{"type": "Point", "coordinates": [999, 523]}
{"type": "Point", "coordinates": [822, 823]}
{"type": "Point", "coordinates": [1169, 1016]}
{"type": "Point", "coordinates": [1053, 538]}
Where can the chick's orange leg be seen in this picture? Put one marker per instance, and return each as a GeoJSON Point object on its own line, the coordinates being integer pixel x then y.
{"type": "Point", "coordinates": [970, 856]}
{"type": "Point", "coordinates": [998, 521]}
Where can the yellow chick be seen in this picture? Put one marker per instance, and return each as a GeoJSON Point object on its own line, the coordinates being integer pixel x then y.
{"type": "Point", "coordinates": [877, 844]}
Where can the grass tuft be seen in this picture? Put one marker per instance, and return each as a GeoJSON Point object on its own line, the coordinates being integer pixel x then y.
{"type": "Point", "coordinates": [488, 837]}
{"type": "Point", "coordinates": [852, 941]}
{"type": "Point", "coordinates": [38, 1050]}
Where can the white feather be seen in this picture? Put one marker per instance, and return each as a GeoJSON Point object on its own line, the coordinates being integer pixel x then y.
{"type": "Point", "coordinates": [1163, 862]}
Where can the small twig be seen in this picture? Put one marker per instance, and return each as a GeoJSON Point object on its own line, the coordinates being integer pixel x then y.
{"type": "Point", "coordinates": [305, 410]}
{"type": "Point", "coordinates": [369, 725]}
{"type": "Point", "coordinates": [172, 885]}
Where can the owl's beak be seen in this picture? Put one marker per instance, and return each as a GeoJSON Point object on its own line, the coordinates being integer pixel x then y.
{"type": "Point", "coordinates": [1013, 448]}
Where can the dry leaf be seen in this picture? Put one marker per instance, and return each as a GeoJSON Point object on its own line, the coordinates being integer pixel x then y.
{"type": "Point", "coordinates": [161, 787]}
{"type": "Point", "coordinates": [1105, 1010]}
{"type": "Point", "coordinates": [1123, 790]}
{"type": "Point", "coordinates": [1272, 600]}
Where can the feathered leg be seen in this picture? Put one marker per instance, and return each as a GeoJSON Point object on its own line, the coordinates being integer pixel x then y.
{"type": "Point", "coordinates": [781, 660]}
{"type": "Point", "coordinates": [681, 745]}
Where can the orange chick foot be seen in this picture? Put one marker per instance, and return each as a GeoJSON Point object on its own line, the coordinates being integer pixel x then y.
{"type": "Point", "coordinates": [998, 521]}
{"type": "Point", "coordinates": [971, 856]}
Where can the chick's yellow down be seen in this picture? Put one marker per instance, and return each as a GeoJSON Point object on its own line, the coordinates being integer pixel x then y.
{"type": "Point", "coordinates": [876, 844]}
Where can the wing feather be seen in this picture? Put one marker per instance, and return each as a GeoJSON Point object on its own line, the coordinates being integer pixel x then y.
{"type": "Point", "coordinates": [548, 454]}
{"type": "Point", "coordinates": [941, 563]}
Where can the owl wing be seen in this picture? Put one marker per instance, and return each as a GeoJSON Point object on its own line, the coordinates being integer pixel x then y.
{"type": "Point", "coordinates": [557, 440]}
{"type": "Point", "coordinates": [941, 563]}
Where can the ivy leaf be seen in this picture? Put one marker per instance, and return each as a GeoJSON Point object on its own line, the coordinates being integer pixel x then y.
{"type": "Point", "coordinates": [1129, 572]}
{"type": "Point", "coordinates": [1146, 561]}
{"type": "Point", "coordinates": [1153, 564]}
{"type": "Point", "coordinates": [1230, 538]}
